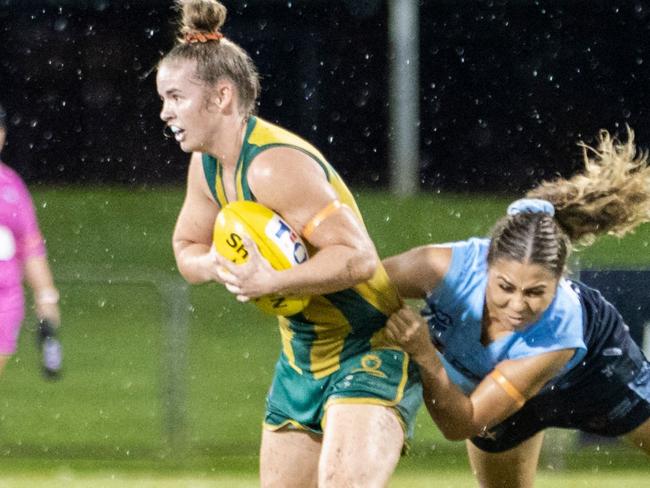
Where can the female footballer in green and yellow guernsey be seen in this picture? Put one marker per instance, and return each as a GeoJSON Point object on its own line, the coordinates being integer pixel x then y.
{"type": "Point", "coordinates": [343, 397]}
{"type": "Point", "coordinates": [322, 328]}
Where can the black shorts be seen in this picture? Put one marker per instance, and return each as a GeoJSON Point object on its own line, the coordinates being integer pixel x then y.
{"type": "Point", "coordinates": [608, 396]}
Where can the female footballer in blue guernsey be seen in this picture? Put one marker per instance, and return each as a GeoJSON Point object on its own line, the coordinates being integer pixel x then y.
{"type": "Point", "coordinates": [507, 346]}
{"type": "Point", "coordinates": [343, 396]}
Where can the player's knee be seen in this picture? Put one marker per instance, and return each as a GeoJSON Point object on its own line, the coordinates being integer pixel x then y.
{"type": "Point", "coordinates": [332, 476]}
{"type": "Point", "coordinates": [352, 471]}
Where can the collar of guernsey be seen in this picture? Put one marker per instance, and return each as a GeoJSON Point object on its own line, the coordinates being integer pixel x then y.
{"type": "Point", "coordinates": [260, 135]}
{"type": "Point", "coordinates": [335, 325]}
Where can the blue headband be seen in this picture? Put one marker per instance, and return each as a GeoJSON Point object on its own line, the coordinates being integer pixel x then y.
{"type": "Point", "coordinates": [531, 205]}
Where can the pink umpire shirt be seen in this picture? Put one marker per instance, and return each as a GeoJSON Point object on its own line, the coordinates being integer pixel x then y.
{"type": "Point", "coordinates": [20, 238]}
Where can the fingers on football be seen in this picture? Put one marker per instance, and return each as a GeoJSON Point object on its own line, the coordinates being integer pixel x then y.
{"type": "Point", "coordinates": [232, 288]}
{"type": "Point", "coordinates": [225, 275]}
{"type": "Point", "coordinates": [251, 247]}
{"type": "Point", "coordinates": [227, 271]}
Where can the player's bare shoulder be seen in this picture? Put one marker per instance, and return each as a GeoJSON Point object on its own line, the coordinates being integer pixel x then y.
{"type": "Point", "coordinates": [290, 182]}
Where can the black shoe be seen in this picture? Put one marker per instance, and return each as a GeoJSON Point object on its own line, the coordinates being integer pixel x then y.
{"type": "Point", "coordinates": [51, 350]}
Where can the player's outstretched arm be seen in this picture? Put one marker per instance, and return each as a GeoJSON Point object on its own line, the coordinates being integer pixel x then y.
{"type": "Point", "coordinates": [499, 395]}
{"type": "Point", "coordinates": [418, 271]}
{"type": "Point", "coordinates": [192, 240]}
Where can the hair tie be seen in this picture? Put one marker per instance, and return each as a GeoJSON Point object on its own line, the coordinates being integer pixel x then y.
{"type": "Point", "coordinates": [531, 205]}
{"type": "Point", "coordinates": [202, 37]}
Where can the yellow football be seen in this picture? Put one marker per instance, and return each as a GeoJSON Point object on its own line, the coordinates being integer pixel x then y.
{"type": "Point", "coordinates": [277, 242]}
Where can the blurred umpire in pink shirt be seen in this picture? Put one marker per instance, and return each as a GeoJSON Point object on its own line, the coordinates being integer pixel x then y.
{"type": "Point", "coordinates": [23, 256]}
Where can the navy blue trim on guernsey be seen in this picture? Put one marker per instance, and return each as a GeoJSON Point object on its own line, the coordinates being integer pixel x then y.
{"type": "Point", "coordinates": [603, 395]}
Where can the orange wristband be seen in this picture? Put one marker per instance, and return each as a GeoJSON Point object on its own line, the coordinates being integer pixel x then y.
{"type": "Point", "coordinates": [318, 219]}
{"type": "Point", "coordinates": [508, 387]}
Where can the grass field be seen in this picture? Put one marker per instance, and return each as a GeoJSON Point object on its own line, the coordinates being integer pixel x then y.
{"type": "Point", "coordinates": [439, 479]}
{"type": "Point", "coordinates": [105, 424]}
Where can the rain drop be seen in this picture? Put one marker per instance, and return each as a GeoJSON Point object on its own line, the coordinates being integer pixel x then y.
{"type": "Point", "coordinates": [60, 24]}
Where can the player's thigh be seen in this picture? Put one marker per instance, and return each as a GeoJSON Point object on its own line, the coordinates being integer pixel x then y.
{"type": "Point", "coordinates": [289, 458]}
{"type": "Point", "coordinates": [514, 468]}
{"type": "Point", "coordinates": [361, 445]}
{"type": "Point", "coordinates": [640, 437]}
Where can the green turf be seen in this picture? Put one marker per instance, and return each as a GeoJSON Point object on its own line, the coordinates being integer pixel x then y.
{"type": "Point", "coordinates": [108, 411]}
{"type": "Point", "coordinates": [65, 478]}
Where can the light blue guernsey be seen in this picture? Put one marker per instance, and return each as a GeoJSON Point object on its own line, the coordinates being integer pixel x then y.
{"type": "Point", "coordinates": [455, 308]}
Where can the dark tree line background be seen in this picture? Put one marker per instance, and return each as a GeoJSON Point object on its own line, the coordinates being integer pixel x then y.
{"type": "Point", "coordinates": [507, 87]}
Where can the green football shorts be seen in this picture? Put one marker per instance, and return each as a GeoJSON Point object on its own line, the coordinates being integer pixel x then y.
{"type": "Point", "coordinates": [376, 377]}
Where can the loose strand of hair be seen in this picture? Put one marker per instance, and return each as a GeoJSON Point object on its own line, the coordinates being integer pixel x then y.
{"type": "Point", "coordinates": [610, 196]}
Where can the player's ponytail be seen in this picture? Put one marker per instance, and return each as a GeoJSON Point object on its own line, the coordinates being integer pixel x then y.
{"type": "Point", "coordinates": [200, 16]}
{"type": "Point", "coordinates": [611, 196]}
{"type": "Point", "coordinates": [201, 40]}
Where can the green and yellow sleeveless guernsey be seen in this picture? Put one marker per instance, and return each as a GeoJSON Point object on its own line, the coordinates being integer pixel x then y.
{"type": "Point", "coordinates": [334, 326]}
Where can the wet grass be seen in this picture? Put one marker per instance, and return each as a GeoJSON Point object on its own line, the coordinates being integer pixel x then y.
{"type": "Point", "coordinates": [64, 478]}
{"type": "Point", "coordinates": [108, 413]}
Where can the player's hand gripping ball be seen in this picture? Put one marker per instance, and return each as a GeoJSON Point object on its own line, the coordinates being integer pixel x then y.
{"type": "Point", "coordinates": [277, 242]}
